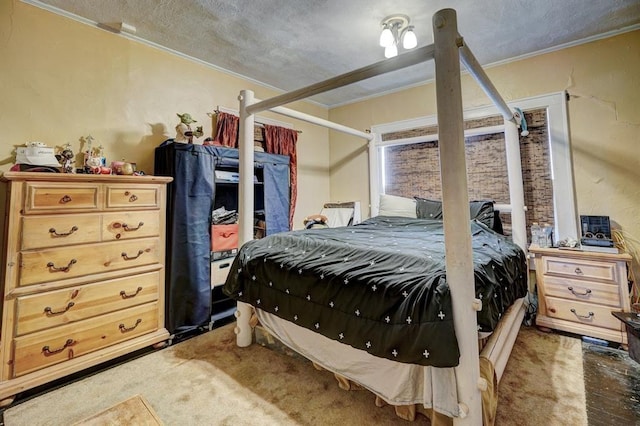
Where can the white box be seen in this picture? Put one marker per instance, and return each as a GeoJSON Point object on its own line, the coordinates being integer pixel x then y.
{"type": "Point", "coordinates": [220, 270]}
{"type": "Point", "coordinates": [36, 156]}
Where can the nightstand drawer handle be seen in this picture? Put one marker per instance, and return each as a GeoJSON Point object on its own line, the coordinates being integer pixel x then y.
{"type": "Point", "coordinates": [578, 271]}
{"type": "Point", "coordinates": [586, 293]}
{"type": "Point", "coordinates": [66, 199]}
{"type": "Point", "coordinates": [53, 267]}
{"type": "Point", "coordinates": [588, 316]}
{"type": "Point", "coordinates": [48, 351]}
{"type": "Point", "coordinates": [124, 329]}
{"type": "Point", "coordinates": [128, 296]}
{"type": "Point", "coordinates": [63, 234]}
{"type": "Point", "coordinates": [50, 311]}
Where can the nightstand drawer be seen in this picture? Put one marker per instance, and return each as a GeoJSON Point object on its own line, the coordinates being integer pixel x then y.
{"type": "Point", "coordinates": [38, 350]}
{"type": "Point", "coordinates": [584, 291]}
{"type": "Point", "coordinates": [583, 313]}
{"type": "Point", "coordinates": [49, 197]}
{"type": "Point", "coordinates": [53, 308]}
{"type": "Point", "coordinates": [581, 269]}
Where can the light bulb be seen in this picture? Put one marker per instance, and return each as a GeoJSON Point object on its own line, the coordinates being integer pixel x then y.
{"type": "Point", "coordinates": [391, 51]}
{"type": "Point", "coordinates": [386, 37]}
{"type": "Point", "coordinates": [409, 41]}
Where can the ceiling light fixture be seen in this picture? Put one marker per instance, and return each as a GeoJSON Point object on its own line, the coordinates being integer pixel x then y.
{"type": "Point", "coordinates": [396, 29]}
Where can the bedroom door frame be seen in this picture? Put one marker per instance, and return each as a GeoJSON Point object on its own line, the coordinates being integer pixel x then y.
{"type": "Point", "coordinates": [564, 199]}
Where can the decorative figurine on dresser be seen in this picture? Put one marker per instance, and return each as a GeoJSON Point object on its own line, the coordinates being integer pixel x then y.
{"type": "Point", "coordinates": [83, 277]}
{"type": "Point", "coordinates": [579, 290]}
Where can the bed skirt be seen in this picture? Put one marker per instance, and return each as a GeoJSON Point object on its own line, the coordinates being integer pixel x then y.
{"type": "Point", "coordinates": [410, 388]}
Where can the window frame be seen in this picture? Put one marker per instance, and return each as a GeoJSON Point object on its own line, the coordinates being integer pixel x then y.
{"type": "Point", "coordinates": [564, 199]}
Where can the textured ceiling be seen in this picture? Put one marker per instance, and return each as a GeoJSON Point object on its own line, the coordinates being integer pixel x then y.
{"type": "Point", "coordinates": [289, 44]}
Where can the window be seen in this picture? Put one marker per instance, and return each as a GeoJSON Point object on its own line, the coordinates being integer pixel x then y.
{"type": "Point", "coordinates": [404, 161]}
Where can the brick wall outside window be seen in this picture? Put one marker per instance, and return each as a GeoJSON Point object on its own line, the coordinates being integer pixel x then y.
{"type": "Point", "coordinates": [414, 170]}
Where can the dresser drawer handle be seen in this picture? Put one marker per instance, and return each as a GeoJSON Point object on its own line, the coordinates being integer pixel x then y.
{"type": "Point", "coordinates": [588, 316]}
{"type": "Point", "coordinates": [50, 311]}
{"type": "Point", "coordinates": [53, 268]}
{"type": "Point", "coordinates": [575, 293]}
{"type": "Point", "coordinates": [133, 198]}
{"type": "Point", "coordinates": [578, 271]}
{"type": "Point", "coordinates": [66, 199]}
{"type": "Point", "coordinates": [126, 257]}
{"type": "Point", "coordinates": [128, 296]}
{"type": "Point", "coordinates": [128, 228]}
{"type": "Point", "coordinates": [63, 234]}
{"type": "Point", "coordinates": [124, 329]}
{"type": "Point", "coordinates": [48, 352]}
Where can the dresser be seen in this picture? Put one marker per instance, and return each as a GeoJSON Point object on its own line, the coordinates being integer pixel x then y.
{"type": "Point", "coordinates": [83, 273]}
{"type": "Point", "coordinates": [578, 290]}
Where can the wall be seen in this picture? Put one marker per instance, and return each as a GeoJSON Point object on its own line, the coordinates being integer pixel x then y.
{"type": "Point", "coordinates": [604, 83]}
{"type": "Point", "coordinates": [62, 80]}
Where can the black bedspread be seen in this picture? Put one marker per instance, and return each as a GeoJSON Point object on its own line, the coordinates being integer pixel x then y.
{"type": "Point", "coordinates": [379, 286]}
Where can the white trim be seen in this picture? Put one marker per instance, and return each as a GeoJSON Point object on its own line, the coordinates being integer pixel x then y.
{"type": "Point", "coordinates": [566, 219]}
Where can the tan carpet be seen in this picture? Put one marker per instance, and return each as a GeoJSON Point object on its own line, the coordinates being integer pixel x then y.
{"type": "Point", "coordinates": [207, 380]}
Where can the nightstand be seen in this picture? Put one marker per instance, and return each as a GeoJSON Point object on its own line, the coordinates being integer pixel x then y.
{"type": "Point", "coordinates": [578, 291]}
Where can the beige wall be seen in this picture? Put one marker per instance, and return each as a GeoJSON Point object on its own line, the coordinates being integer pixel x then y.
{"type": "Point", "coordinates": [62, 80]}
{"type": "Point", "coordinates": [604, 117]}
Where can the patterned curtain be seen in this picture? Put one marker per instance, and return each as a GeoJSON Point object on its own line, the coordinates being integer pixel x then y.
{"type": "Point", "coordinates": [280, 140]}
{"type": "Point", "coordinates": [226, 130]}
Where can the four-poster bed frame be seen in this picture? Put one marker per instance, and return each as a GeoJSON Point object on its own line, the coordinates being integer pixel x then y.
{"type": "Point", "coordinates": [447, 51]}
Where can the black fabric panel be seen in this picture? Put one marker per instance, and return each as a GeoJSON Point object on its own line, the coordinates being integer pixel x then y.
{"type": "Point", "coordinates": [379, 286]}
{"type": "Point", "coordinates": [188, 267]}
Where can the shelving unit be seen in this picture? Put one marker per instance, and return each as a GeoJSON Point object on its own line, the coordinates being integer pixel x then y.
{"type": "Point", "coordinates": [193, 292]}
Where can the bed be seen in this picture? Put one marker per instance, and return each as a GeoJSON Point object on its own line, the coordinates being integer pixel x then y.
{"type": "Point", "coordinates": [386, 300]}
{"type": "Point", "coordinates": [449, 375]}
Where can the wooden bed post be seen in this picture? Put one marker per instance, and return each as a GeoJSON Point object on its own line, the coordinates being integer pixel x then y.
{"type": "Point", "coordinates": [245, 204]}
{"type": "Point", "coordinates": [457, 231]}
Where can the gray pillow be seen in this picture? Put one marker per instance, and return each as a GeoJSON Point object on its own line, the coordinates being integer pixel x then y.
{"type": "Point", "coordinates": [428, 209]}
{"type": "Point", "coordinates": [480, 210]}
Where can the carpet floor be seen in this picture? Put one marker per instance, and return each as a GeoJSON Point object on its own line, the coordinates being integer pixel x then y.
{"type": "Point", "coordinates": [208, 380]}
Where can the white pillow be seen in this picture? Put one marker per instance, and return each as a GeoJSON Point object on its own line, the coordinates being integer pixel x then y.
{"type": "Point", "coordinates": [392, 205]}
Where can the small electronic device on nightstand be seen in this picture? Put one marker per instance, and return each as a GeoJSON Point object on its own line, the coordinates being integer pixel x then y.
{"type": "Point", "coordinates": [596, 231]}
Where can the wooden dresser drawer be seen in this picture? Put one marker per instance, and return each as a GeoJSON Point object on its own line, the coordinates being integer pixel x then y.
{"type": "Point", "coordinates": [583, 313]}
{"type": "Point", "coordinates": [41, 349]}
{"type": "Point", "coordinates": [59, 230]}
{"type": "Point", "coordinates": [125, 225]}
{"type": "Point", "coordinates": [76, 261]}
{"type": "Point", "coordinates": [59, 198]}
{"type": "Point", "coordinates": [581, 269]}
{"type": "Point", "coordinates": [51, 309]}
{"type": "Point", "coordinates": [132, 196]}
{"type": "Point", "coordinates": [584, 291]}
